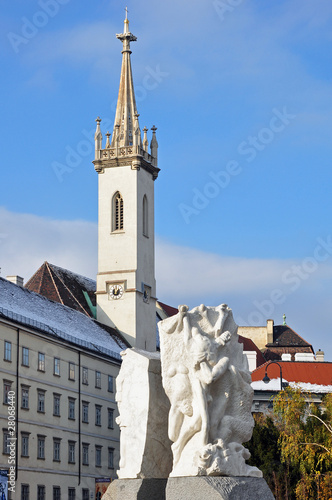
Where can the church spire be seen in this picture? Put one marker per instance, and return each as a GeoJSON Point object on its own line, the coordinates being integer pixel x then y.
{"type": "Point", "coordinates": [126, 146]}
{"type": "Point", "coordinates": [126, 110]}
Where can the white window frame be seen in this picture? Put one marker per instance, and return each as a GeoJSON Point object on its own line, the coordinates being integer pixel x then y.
{"type": "Point", "coordinates": [7, 354]}
{"type": "Point", "coordinates": [98, 380]}
{"type": "Point", "coordinates": [25, 356]}
{"type": "Point", "coordinates": [98, 415]}
{"type": "Point", "coordinates": [41, 361]}
{"type": "Point", "coordinates": [41, 447]}
{"type": "Point", "coordinates": [71, 452]}
{"type": "Point", "coordinates": [71, 408]}
{"type": "Point", "coordinates": [85, 375]}
{"type": "Point", "coordinates": [40, 401]}
{"type": "Point", "coordinates": [24, 445]}
{"type": "Point", "coordinates": [56, 450]}
{"type": "Point", "coordinates": [85, 453]}
{"type": "Point", "coordinates": [98, 455]}
{"type": "Point", "coordinates": [56, 404]}
{"type": "Point", "coordinates": [56, 367]}
{"type": "Point", "coordinates": [24, 397]}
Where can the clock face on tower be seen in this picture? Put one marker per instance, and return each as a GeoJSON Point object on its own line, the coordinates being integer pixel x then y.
{"type": "Point", "coordinates": [116, 292]}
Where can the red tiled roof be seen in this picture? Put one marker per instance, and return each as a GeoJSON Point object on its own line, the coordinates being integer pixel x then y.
{"type": "Point", "coordinates": [311, 372]}
{"type": "Point", "coordinates": [169, 310]}
{"type": "Point", "coordinates": [61, 285]}
{"type": "Point", "coordinates": [249, 345]}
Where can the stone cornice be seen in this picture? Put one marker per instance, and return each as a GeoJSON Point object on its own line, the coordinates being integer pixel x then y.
{"type": "Point", "coordinates": [130, 155]}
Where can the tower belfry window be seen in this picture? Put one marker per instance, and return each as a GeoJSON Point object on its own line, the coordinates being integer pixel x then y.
{"type": "Point", "coordinates": [117, 212]}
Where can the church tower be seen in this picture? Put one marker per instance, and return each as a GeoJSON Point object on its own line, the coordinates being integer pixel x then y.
{"type": "Point", "coordinates": [126, 288]}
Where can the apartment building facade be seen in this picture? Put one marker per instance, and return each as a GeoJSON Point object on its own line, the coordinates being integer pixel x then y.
{"type": "Point", "coordinates": [58, 405]}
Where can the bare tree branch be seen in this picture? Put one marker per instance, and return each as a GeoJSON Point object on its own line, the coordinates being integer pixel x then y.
{"type": "Point", "coordinates": [329, 428]}
{"type": "Point", "coordinates": [320, 446]}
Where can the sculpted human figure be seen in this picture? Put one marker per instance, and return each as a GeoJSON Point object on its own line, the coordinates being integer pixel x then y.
{"type": "Point", "coordinates": [206, 367]}
{"type": "Point", "coordinates": [181, 400]}
{"type": "Point", "coordinates": [205, 375]}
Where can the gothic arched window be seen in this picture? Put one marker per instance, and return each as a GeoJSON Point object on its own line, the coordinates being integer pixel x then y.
{"type": "Point", "coordinates": [117, 209]}
{"type": "Point", "coordinates": [145, 216]}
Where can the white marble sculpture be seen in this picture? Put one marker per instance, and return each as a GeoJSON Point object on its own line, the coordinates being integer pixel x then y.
{"type": "Point", "coordinates": [206, 378]}
{"type": "Point", "coordinates": [145, 450]}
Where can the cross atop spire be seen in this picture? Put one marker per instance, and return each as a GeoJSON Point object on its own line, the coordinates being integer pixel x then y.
{"type": "Point", "coordinates": [126, 37]}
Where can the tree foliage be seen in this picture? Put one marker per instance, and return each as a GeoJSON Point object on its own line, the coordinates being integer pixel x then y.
{"type": "Point", "coordinates": [266, 455]}
{"type": "Point", "coordinates": [293, 447]}
{"type": "Point", "coordinates": [305, 441]}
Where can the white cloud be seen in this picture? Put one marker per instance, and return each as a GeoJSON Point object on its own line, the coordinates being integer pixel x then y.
{"type": "Point", "coordinates": [26, 241]}
{"type": "Point", "coordinates": [187, 272]}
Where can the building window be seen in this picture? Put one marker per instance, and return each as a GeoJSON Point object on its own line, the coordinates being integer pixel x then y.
{"type": "Point", "coordinates": [110, 383]}
{"type": "Point", "coordinates": [56, 493]}
{"type": "Point", "coordinates": [41, 492]}
{"type": "Point", "coordinates": [111, 458]}
{"type": "Point", "coordinates": [85, 412]}
{"type": "Point", "coordinates": [71, 408]}
{"type": "Point", "coordinates": [71, 494]}
{"type": "Point", "coordinates": [6, 442]}
{"type": "Point", "coordinates": [85, 494]}
{"type": "Point", "coordinates": [85, 454]}
{"type": "Point", "coordinates": [71, 375]}
{"type": "Point", "coordinates": [25, 356]}
{"type": "Point", "coordinates": [98, 380]}
{"type": "Point", "coordinates": [98, 456]}
{"type": "Point", "coordinates": [25, 492]}
{"type": "Point", "coordinates": [145, 216]}
{"type": "Point", "coordinates": [117, 207]}
{"type": "Point", "coordinates": [71, 452]}
{"type": "Point", "coordinates": [110, 418]}
{"type": "Point", "coordinates": [98, 415]}
{"type": "Point", "coordinates": [56, 405]}
{"type": "Point", "coordinates": [85, 376]}
{"type": "Point", "coordinates": [41, 401]}
{"type": "Point", "coordinates": [41, 362]}
{"type": "Point", "coordinates": [41, 447]}
{"type": "Point", "coordinates": [56, 449]}
{"type": "Point", "coordinates": [8, 351]}
{"type": "Point", "coordinates": [7, 387]}
{"type": "Point", "coordinates": [24, 445]}
{"type": "Point", "coordinates": [57, 367]}
{"type": "Point", "coordinates": [25, 398]}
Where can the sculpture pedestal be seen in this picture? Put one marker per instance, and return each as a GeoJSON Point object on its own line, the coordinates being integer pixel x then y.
{"type": "Point", "coordinates": [189, 488]}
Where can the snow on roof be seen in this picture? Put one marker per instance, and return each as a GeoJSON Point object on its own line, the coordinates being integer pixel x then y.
{"type": "Point", "coordinates": [86, 283]}
{"type": "Point", "coordinates": [274, 386]}
{"type": "Point", "coordinates": [61, 318]}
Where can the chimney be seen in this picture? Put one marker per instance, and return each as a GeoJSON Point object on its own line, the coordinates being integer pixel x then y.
{"type": "Point", "coordinates": [17, 280]}
{"type": "Point", "coordinates": [320, 355]}
{"type": "Point", "coordinates": [269, 331]}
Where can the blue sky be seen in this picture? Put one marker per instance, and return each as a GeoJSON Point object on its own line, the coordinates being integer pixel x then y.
{"type": "Point", "coordinates": [241, 94]}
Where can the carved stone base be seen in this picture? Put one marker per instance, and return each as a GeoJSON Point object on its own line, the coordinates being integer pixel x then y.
{"type": "Point", "coordinates": [189, 488]}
